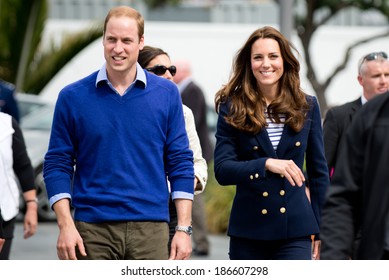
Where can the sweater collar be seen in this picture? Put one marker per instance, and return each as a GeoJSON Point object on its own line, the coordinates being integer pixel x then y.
{"type": "Point", "coordinates": [140, 75]}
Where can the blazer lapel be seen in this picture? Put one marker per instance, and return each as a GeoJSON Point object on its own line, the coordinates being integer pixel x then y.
{"type": "Point", "coordinates": [286, 137]}
{"type": "Point", "coordinates": [264, 142]}
{"type": "Point", "coordinates": [355, 106]}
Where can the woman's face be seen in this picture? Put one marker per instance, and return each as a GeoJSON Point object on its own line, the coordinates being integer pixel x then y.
{"type": "Point", "coordinates": [164, 60]}
{"type": "Point", "coordinates": [266, 63]}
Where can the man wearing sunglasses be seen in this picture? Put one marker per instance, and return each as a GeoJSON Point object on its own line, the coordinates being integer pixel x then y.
{"type": "Point", "coordinates": [373, 76]}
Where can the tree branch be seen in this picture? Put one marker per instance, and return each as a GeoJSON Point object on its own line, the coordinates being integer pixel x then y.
{"type": "Point", "coordinates": [341, 66]}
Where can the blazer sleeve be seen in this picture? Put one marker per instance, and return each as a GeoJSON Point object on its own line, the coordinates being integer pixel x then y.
{"type": "Point", "coordinates": [229, 167]}
{"type": "Point", "coordinates": [316, 164]}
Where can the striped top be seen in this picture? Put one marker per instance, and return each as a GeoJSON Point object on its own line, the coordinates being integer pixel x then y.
{"type": "Point", "coordinates": [274, 130]}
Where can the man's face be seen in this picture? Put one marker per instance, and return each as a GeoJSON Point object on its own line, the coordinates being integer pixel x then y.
{"type": "Point", "coordinates": [121, 45]}
{"type": "Point", "coordinates": [374, 78]}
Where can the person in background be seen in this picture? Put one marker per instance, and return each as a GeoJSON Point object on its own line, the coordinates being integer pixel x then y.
{"type": "Point", "coordinates": [266, 127]}
{"type": "Point", "coordinates": [158, 62]}
{"type": "Point", "coordinates": [193, 97]}
{"type": "Point", "coordinates": [358, 198]}
{"type": "Point", "coordinates": [8, 102]}
{"type": "Point", "coordinates": [373, 76]}
{"type": "Point", "coordinates": [15, 170]}
{"type": "Point", "coordinates": [117, 135]}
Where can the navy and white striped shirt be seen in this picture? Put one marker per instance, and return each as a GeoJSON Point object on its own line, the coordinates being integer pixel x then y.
{"type": "Point", "coordinates": [274, 130]}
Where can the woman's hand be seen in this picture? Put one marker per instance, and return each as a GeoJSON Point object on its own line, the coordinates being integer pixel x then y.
{"type": "Point", "coordinates": [30, 223]}
{"type": "Point", "coordinates": [2, 240]}
{"type": "Point", "coordinates": [316, 250]}
{"type": "Point", "coordinates": [286, 168]}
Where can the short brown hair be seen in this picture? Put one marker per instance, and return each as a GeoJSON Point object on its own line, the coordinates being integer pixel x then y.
{"type": "Point", "coordinates": [126, 12]}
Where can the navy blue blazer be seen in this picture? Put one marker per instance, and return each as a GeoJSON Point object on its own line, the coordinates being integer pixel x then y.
{"type": "Point", "coordinates": [266, 206]}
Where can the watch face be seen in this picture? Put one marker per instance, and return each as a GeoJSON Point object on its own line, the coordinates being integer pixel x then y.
{"type": "Point", "coordinates": [187, 230]}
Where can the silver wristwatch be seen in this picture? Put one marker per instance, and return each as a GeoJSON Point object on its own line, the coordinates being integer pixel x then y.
{"type": "Point", "coordinates": [186, 229]}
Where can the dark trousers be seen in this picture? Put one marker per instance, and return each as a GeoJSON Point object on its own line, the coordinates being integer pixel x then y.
{"type": "Point", "coordinates": [173, 222]}
{"type": "Point", "coordinates": [385, 256]}
{"type": "Point", "coordinates": [8, 233]}
{"type": "Point", "coordinates": [289, 249]}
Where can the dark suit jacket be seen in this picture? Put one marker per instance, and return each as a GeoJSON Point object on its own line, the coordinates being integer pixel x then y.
{"type": "Point", "coordinates": [266, 206]}
{"type": "Point", "coordinates": [8, 103]}
{"type": "Point", "coordinates": [358, 197]}
{"type": "Point", "coordinates": [193, 97]}
{"type": "Point", "coordinates": [336, 122]}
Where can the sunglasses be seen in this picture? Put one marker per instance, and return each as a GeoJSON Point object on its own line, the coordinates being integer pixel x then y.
{"type": "Point", "coordinates": [161, 69]}
{"type": "Point", "coordinates": [373, 56]}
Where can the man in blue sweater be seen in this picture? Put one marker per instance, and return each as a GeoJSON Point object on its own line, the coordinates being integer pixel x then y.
{"type": "Point", "coordinates": [117, 134]}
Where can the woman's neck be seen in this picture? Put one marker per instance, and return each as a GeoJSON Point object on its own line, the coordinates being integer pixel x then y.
{"type": "Point", "coordinates": [269, 94]}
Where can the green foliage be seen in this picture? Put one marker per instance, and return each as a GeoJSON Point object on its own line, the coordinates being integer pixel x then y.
{"type": "Point", "coordinates": [309, 22]}
{"type": "Point", "coordinates": [17, 18]}
{"type": "Point", "coordinates": [14, 20]}
{"type": "Point", "coordinates": [218, 202]}
{"type": "Point", "coordinates": [52, 61]}
{"type": "Point", "coordinates": [154, 4]}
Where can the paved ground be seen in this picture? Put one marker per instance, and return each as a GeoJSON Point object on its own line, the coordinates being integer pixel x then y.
{"type": "Point", "coordinates": [42, 245]}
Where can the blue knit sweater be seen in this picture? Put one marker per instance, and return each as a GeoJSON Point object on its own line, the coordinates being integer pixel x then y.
{"type": "Point", "coordinates": [121, 148]}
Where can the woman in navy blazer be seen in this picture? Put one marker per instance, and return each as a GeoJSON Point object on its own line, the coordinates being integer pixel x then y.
{"type": "Point", "coordinates": [267, 126]}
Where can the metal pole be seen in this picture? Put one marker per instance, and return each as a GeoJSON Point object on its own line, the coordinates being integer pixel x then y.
{"type": "Point", "coordinates": [286, 18]}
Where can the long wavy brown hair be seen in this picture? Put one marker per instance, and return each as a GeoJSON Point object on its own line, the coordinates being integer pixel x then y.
{"type": "Point", "coordinates": [247, 104]}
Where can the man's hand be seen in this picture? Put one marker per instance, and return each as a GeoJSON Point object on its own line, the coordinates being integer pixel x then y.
{"type": "Point", "coordinates": [181, 248]}
{"type": "Point", "coordinates": [69, 238]}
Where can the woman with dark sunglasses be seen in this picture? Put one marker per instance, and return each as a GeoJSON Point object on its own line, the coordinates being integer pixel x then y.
{"type": "Point", "coordinates": [157, 61]}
